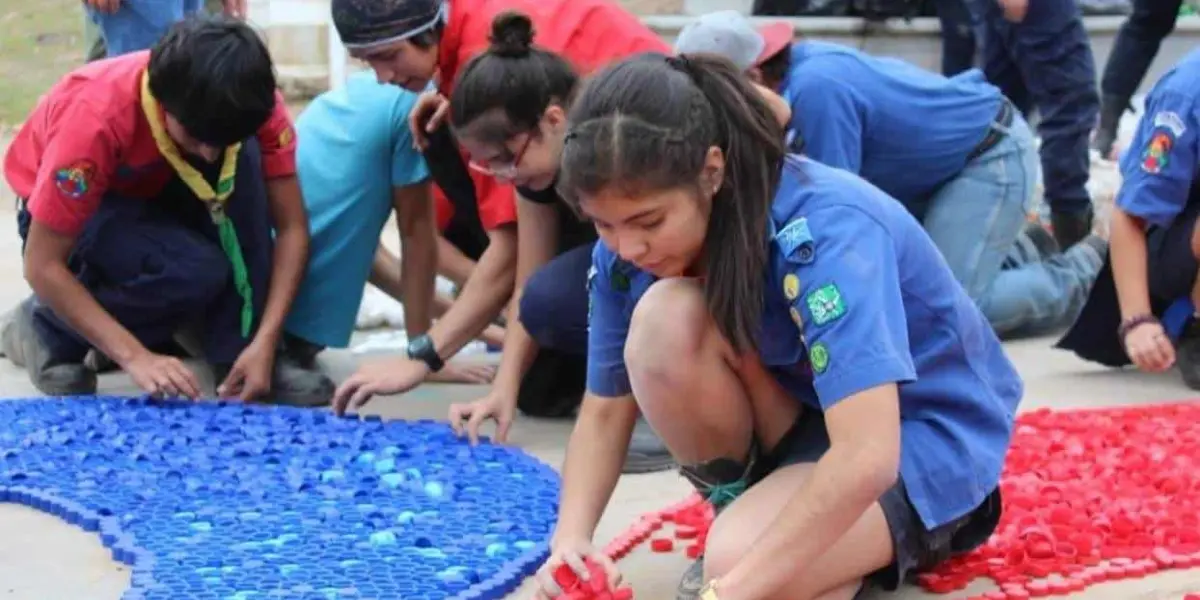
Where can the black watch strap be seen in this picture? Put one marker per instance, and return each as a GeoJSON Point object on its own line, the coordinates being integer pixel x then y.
{"type": "Point", "coordinates": [421, 348]}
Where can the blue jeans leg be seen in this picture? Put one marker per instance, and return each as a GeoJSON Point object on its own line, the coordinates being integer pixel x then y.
{"type": "Point", "coordinates": [138, 24]}
{"type": "Point", "coordinates": [976, 221]}
{"type": "Point", "coordinates": [975, 218]}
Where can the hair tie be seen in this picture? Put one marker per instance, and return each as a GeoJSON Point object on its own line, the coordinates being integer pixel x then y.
{"type": "Point", "coordinates": [680, 63]}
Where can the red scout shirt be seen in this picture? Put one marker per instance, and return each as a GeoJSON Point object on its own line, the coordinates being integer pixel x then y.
{"type": "Point", "coordinates": [588, 33]}
{"type": "Point", "coordinates": [88, 135]}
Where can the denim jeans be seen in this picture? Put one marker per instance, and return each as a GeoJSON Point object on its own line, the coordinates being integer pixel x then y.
{"type": "Point", "coordinates": [138, 24]}
{"type": "Point", "coordinates": [976, 220]}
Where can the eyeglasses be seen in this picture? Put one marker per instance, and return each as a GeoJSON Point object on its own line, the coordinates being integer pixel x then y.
{"type": "Point", "coordinates": [503, 170]}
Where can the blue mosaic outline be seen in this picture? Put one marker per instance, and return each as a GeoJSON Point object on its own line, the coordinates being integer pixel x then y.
{"type": "Point", "coordinates": [125, 549]}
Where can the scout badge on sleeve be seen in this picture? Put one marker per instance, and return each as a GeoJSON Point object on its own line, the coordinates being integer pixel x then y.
{"type": "Point", "coordinates": [214, 199]}
{"type": "Point", "coordinates": [1168, 126]}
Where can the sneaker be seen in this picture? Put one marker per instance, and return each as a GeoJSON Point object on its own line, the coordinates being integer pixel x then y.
{"type": "Point", "coordinates": [25, 347]}
{"type": "Point", "coordinates": [1071, 228]}
{"type": "Point", "coordinates": [691, 582]}
{"type": "Point", "coordinates": [647, 452]}
{"type": "Point", "coordinates": [294, 384]}
{"type": "Point", "coordinates": [1043, 241]}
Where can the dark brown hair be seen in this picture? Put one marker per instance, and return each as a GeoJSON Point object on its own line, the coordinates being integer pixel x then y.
{"type": "Point", "coordinates": [505, 90]}
{"type": "Point", "coordinates": [647, 122]}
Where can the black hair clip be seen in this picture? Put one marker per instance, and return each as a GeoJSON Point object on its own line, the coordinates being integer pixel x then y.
{"type": "Point", "coordinates": [679, 62]}
{"type": "Point", "coordinates": [571, 134]}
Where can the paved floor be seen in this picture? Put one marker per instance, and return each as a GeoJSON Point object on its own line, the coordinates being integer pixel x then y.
{"type": "Point", "coordinates": [41, 558]}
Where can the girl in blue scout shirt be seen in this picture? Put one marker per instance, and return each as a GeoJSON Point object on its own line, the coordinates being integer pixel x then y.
{"type": "Point", "coordinates": [1148, 290]}
{"type": "Point", "coordinates": [790, 331]}
{"type": "Point", "coordinates": [954, 151]}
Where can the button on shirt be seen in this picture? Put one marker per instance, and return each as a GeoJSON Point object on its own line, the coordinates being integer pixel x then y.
{"type": "Point", "coordinates": [857, 296]}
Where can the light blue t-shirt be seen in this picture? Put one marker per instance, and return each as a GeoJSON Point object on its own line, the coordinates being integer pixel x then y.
{"type": "Point", "coordinates": [858, 296]}
{"type": "Point", "coordinates": [353, 148]}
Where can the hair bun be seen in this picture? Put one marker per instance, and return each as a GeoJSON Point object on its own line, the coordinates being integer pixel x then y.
{"type": "Point", "coordinates": [512, 34]}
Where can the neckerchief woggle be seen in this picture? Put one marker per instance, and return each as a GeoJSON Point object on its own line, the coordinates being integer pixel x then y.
{"type": "Point", "coordinates": [214, 199]}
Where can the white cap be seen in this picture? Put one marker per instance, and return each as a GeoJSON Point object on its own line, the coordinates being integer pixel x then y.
{"type": "Point", "coordinates": [727, 33]}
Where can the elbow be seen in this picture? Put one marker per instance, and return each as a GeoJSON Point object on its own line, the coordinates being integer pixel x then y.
{"type": "Point", "coordinates": [878, 466]}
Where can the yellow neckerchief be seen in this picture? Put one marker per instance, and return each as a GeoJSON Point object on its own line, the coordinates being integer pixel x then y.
{"type": "Point", "coordinates": [214, 199]}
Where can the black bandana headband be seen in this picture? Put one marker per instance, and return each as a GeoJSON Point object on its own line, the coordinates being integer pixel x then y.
{"type": "Point", "coordinates": [365, 24]}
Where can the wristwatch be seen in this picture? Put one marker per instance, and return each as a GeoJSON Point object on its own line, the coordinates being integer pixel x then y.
{"type": "Point", "coordinates": [421, 348]}
{"type": "Point", "coordinates": [709, 591]}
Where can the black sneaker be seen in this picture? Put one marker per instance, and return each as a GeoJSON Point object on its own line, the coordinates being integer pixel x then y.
{"type": "Point", "coordinates": [647, 452]}
{"type": "Point", "coordinates": [1071, 228]}
{"type": "Point", "coordinates": [1043, 241]}
{"type": "Point", "coordinates": [24, 346]}
{"type": "Point", "coordinates": [1187, 356]}
{"type": "Point", "coordinates": [294, 384]}
{"type": "Point", "coordinates": [296, 381]}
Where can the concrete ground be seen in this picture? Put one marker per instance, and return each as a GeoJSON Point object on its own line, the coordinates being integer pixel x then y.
{"type": "Point", "coordinates": [41, 558]}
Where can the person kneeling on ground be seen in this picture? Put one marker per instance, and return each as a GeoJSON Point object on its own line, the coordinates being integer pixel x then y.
{"type": "Point", "coordinates": [508, 111]}
{"type": "Point", "coordinates": [1155, 242]}
{"type": "Point", "coordinates": [159, 193]}
{"type": "Point", "coordinates": [357, 163]}
{"type": "Point", "coordinates": [791, 332]}
{"type": "Point", "coordinates": [953, 150]}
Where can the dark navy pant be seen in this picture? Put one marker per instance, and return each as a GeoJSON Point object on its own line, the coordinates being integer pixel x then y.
{"type": "Point", "coordinates": [1045, 63]}
{"type": "Point", "coordinates": [156, 265]}
{"type": "Point", "coordinates": [959, 50]}
{"type": "Point", "coordinates": [554, 304]}
{"type": "Point", "coordinates": [1136, 46]}
{"type": "Point", "coordinates": [554, 307]}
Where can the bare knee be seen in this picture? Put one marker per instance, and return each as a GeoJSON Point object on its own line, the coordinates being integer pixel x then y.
{"type": "Point", "coordinates": [667, 331]}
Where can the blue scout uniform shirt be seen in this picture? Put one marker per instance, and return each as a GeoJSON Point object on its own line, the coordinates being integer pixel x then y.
{"type": "Point", "coordinates": [1161, 164]}
{"type": "Point", "coordinates": [354, 147]}
{"type": "Point", "coordinates": [858, 296]}
{"type": "Point", "coordinates": [904, 129]}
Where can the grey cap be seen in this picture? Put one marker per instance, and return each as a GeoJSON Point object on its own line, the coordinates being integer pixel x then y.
{"type": "Point", "coordinates": [725, 32]}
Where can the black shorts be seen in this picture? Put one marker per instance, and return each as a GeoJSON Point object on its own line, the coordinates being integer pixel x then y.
{"type": "Point", "coordinates": [915, 548]}
{"type": "Point", "coordinates": [1171, 265]}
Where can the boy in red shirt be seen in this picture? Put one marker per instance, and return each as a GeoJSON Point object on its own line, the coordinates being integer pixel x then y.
{"type": "Point", "coordinates": [150, 187]}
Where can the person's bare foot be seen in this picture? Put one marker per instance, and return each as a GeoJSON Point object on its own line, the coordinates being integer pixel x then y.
{"type": "Point", "coordinates": [463, 373]}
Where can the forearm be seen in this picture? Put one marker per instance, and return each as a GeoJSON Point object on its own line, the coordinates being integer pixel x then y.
{"type": "Point", "coordinates": [419, 255]}
{"type": "Point", "coordinates": [481, 299]}
{"type": "Point", "coordinates": [595, 454]}
{"type": "Point", "coordinates": [1129, 258]}
{"type": "Point", "coordinates": [844, 484]}
{"type": "Point", "coordinates": [76, 306]}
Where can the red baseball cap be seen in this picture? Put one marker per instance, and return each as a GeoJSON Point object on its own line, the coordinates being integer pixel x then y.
{"type": "Point", "coordinates": [777, 37]}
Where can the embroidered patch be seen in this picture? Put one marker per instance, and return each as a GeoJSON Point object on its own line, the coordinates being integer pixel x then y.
{"type": "Point", "coordinates": [796, 316]}
{"type": "Point", "coordinates": [286, 136]}
{"type": "Point", "coordinates": [818, 355]}
{"type": "Point", "coordinates": [1156, 156]}
{"type": "Point", "coordinates": [75, 179]}
{"type": "Point", "coordinates": [825, 304]}
{"type": "Point", "coordinates": [620, 281]}
{"type": "Point", "coordinates": [791, 286]}
{"type": "Point", "coordinates": [796, 241]}
{"type": "Point", "coordinates": [1169, 120]}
